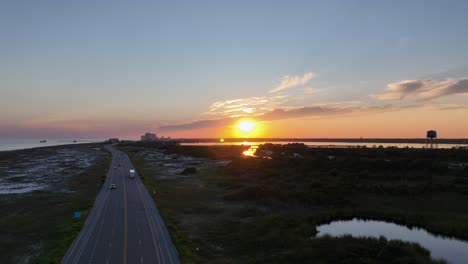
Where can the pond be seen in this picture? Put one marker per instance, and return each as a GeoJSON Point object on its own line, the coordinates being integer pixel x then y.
{"type": "Point", "coordinates": [450, 249]}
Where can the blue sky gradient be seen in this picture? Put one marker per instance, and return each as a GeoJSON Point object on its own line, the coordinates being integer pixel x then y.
{"type": "Point", "coordinates": [152, 63]}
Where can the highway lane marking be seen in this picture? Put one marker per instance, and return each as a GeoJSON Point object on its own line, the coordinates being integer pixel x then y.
{"type": "Point", "coordinates": [164, 237]}
{"type": "Point", "coordinates": [114, 206]}
{"type": "Point", "coordinates": [99, 232]}
{"type": "Point", "coordinates": [90, 222]}
{"type": "Point", "coordinates": [149, 201]}
{"type": "Point", "coordinates": [153, 218]}
{"type": "Point", "coordinates": [141, 259]}
{"type": "Point", "coordinates": [100, 200]}
{"type": "Point", "coordinates": [94, 221]}
{"type": "Point", "coordinates": [152, 223]}
{"type": "Point", "coordinates": [114, 222]}
{"type": "Point", "coordinates": [89, 228]}
{"type": "Point", "coordinates": [125, 224]}
{"type": "Point", "coordinates": [156, 216]}
{"type": "Point", "coordinates": [149, 223]}
{"type": "Point", "coordinates": [148, 218]}
{"type": "Point", "coordinates": [89, 231]}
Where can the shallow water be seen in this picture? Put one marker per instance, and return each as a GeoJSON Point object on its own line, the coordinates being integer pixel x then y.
{"type": "Point", "coordinates": [20, 188]}
{"type": "Point", "coordinates": [13, 144]}
{"type": "Point", "coordinates": [46, 170]}
{"type": "Point", "coordinates": [450, 249]}
{"type": "Point", "coordinates": [327, 144]}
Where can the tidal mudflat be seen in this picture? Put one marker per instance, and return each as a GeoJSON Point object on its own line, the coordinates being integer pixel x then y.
{"type": "Point", "coordinates": [40, 189]}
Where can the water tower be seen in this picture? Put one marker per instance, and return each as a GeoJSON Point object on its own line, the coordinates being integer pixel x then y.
{"type": "Point", "coordinates": [431, 137]}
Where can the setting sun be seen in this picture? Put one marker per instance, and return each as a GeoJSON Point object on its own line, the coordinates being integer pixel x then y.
{"type": "Point", "coordinates": [246, 126]}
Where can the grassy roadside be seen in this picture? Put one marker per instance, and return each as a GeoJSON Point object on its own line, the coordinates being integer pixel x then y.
{"type": "Point", "coordinates": [90, 183]}
{"type": "Point", "coordinates": [265, 211]}
{"type": "Point", "coordinates": [38, 227]}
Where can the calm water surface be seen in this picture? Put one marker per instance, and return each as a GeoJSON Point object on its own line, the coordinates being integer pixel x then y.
{"type": "Point", "coordinates": [450, 249]}
{"type": "Point", "coordinates": [326, 144]}
{"type": "Point", "coordinates": [12, 144]}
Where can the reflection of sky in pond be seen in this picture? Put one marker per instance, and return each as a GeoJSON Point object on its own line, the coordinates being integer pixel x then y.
{"type": "Point", "coordinates": [449, 249]}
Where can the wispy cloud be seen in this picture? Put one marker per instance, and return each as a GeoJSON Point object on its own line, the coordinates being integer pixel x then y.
{"type": "Point", "coordinates": [269, 108]}
{"type": "Point", "coordinates": [310, 90]}
{"type": "Point", "coordinates": [423, 89]}
{"type": "Point", "coordinates": [245, 106]}
{"type": "Point", "coordinates": [308, 111]}
{"type": "Point", "coordinates": [274, 114]}
{"type": "Point", "coordinates": [320, 111]}
{"type": "Point", "coordinates": [293, 81]}
{"type": "Point", "coordinates": [198, 124]}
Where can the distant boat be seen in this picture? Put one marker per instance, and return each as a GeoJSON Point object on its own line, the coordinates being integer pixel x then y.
{"type": "Point", "coordinates": [43, 141]}
{"type": "Point", "coordinates": [74, 141]}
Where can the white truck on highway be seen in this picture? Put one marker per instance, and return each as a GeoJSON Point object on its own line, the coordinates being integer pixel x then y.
{"type": "Point", "coordinates": [132, 174]}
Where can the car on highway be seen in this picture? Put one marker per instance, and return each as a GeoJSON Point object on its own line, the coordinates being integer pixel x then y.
{"type": "Point", "coordinates": [113, 186]}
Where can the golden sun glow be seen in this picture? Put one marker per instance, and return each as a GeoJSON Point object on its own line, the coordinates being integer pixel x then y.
{"type": "Point", "coordinates": [246, 126]}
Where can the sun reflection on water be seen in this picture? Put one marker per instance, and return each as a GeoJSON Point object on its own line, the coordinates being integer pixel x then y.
{"type": "Point", "coordinates": [250, 152]}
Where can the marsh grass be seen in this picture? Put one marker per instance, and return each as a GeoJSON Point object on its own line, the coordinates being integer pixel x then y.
{"type": "Point", "coordinates": [266, 211]}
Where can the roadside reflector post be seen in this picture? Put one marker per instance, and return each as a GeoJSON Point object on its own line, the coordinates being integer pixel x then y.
{"type": "Point", "coordinates": [77, 214]}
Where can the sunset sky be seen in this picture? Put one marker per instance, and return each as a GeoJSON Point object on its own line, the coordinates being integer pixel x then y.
{"type": "Point", "coordinates": [82, 69]}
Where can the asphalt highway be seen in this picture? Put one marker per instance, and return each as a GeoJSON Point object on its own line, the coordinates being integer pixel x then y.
{"type": "Point", "coordinates": [124, 225]}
